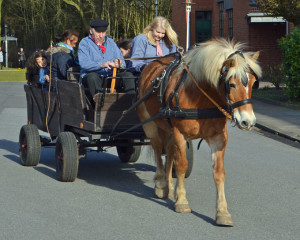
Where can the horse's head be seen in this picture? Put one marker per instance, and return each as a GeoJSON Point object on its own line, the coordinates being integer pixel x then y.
{"type": "Point", "coordinates": [238, 79]}
{"type": "Point", "coordinates": [222, 63]}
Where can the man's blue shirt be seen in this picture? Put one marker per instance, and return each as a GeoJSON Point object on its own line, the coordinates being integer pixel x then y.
{"type": "Point", "coordinates": [91, 56]}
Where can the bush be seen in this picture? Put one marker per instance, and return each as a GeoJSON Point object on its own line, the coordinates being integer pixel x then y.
{"type": "Point", "coordinates": [275, 75]}
{"type": "Point", "coordinates": [290, 45]}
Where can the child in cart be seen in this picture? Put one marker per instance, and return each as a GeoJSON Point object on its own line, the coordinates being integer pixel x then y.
{"type": "Point", "coordinates": [37, 65]}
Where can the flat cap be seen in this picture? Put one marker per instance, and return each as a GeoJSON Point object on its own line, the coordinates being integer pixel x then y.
{"type": "Point", "coordinates": [99, 25]}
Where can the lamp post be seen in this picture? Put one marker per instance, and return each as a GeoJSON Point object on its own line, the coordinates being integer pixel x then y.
{"type": "Point", "coordinates": [156, 4]}
{"type": "Point", "coordinates": [188, 8]}
{"type": "Point", "coordinates": [6, 46]}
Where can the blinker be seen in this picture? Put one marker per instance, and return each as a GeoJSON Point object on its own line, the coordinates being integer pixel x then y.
{"type": "Point", "coordinates": [244, 81]}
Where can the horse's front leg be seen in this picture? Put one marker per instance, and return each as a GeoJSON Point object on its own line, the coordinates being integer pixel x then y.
{"type": "Point", "coordinates": [181, 166]}
{"type": "Point", "coordinates": [218, 145]}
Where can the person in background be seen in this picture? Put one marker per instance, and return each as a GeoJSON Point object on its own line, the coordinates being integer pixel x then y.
{"type": "Point", "coordinates": [98, 54]}
{"type": "Point", "coordinates": [63, 54]}
{"type": "Point", "coordinates": [22, 58]}
{"type": "Point", "coordinates": [1, 59]}
{"type": "Point", "coordinates": [37, 65]}
{"type": "Point", "coordinates": [125, 46]}
{"type": "Point", "coordinates": [158, 39]}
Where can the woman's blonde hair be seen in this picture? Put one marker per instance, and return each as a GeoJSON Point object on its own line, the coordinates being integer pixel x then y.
{"type": "Point", "coordinates": [169, 38]}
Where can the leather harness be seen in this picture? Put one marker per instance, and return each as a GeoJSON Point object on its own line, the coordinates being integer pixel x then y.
{"type": "Point", "coordinates": [167, 112]}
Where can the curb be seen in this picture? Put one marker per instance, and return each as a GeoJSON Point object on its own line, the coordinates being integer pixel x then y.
{"type": "Point", "coordinates": [278, 103]}
{"type": "Point", "coordinates": [267, 129]}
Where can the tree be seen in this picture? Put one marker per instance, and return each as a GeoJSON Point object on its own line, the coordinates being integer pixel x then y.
{"type": "Point", "coordinates": [288, 9]}
{"type": "Point", "coordinates": [1, 1]}
{"type": "Point", "coordinates": [78, 4]}
{"type": "Point", "coordinates": [36, 22]}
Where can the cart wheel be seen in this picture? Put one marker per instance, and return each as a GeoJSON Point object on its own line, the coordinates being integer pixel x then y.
{"type": "Point", "coordinates": [66, 157]}
{"type": "Point", "coordinates": [129, 153]}
{"type": "Point", "coordinates": [29, 145]}
{"type": "Point", "coordinates": [190, 157]}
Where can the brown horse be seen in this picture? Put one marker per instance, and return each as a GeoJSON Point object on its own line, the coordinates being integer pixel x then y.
{"type": "Point", "coordinates": [226, 74]}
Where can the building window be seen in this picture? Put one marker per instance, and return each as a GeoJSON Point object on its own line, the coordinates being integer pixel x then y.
{"type": "Point", "coordinates": [253, 3]}
{"type": "Point", "coordinates": [230, 24]}
{"type": "Point", "coordinates": [203, 25]}
{"type": "Point", "coordinates": [221, 19]}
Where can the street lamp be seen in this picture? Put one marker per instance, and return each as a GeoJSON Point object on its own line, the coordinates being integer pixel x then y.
{"type": "Point", "coordinates": [6, 47]}
{"type": "Point", "coordinates": [156, 4]}
{"type": "Point", "coordinates": [188, 9]}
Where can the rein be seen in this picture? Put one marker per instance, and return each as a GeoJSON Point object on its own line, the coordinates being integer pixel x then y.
{"type": "Point", "coordinates": [149, 58]}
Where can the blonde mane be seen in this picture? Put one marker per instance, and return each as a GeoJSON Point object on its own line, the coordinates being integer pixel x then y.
{"type": "Point", "coordinates": [206, 60]}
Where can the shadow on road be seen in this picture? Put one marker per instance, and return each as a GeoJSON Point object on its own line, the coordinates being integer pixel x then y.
{"type": "Point", "coordinates": [10, 146]}
{"type": "Point", "coordinates": [105, 170]}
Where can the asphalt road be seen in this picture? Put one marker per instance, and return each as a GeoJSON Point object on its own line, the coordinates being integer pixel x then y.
{"type": "Point", "coordinates": [113, 200]}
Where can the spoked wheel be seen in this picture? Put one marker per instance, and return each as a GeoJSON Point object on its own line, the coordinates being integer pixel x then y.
{"type": "Point", "coordinates": [29, 145]}
{"type": "Point", "coordinates": [129, 153]}
{"type": "Point", "coordinates": [190, 158]}
{"type": "Point", "coordinates": [66, 157]}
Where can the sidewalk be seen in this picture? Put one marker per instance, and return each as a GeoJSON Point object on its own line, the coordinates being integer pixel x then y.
{"type": "Point", "coordinates": [276, 119]}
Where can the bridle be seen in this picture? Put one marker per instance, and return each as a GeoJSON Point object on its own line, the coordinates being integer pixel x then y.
{"type": "Point", "coordinates": [244, 81]}
{"type": "Point", "coordinates": [229, 113]}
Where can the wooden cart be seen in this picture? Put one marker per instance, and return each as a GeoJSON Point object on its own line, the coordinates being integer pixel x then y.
{"type": "Point", "coordinates": [75, 125]}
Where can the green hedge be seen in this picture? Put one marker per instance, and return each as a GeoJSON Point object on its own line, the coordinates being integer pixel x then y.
{"type": "Point", "coordinates": [290, 45]}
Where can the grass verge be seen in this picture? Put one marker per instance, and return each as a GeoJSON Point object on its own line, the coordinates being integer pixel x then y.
{"type": "Point", "coordinates": [275, 96]}
{"type": "Point", "coordinates": [13, 75]}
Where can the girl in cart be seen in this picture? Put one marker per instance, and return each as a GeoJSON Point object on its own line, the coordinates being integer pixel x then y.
{"type": "Point", "coordinates": [37, 65]}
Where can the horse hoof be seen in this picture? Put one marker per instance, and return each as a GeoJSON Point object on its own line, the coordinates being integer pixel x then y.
{"type": "Point", "coordinates": [161, 192]}
{"type": "Point", "coordinates": [224, 221]}
{"type": "Point", "coordinates": [182, 208]}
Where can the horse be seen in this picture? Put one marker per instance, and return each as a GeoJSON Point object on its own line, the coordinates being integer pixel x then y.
{"type": "Point", "coordinates": [220, 78]}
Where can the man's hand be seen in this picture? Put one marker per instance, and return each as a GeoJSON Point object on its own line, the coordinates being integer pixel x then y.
{"type": "Point", "coordinates": [118, 62]}
{"type": "Point", "coordinates": [108, 65]}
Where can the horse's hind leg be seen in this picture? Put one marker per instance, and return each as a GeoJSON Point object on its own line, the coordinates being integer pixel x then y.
{"type": "Point", "coordinates": [158, 143]}
{"type": "Point", "coordinates": [181, 165]}
{"type": "Point", "coordinates": [218, 145]}
{"type": "Point", "coordinates": [161, 186]}
{"type": "Point", "coordinates": [157, 138]}
{"type": "Point", "coordinates": [169, 166]}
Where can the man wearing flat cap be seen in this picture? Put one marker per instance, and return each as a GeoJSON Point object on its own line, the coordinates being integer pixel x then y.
{"type": "Point", "coordinates": [98, 54]}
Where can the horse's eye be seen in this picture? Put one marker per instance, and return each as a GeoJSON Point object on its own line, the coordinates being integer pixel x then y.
{"type": "Point", "coordinates": [232, 85]}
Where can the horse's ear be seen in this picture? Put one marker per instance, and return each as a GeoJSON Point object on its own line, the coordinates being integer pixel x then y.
{"type": "Point", "coordinates": [255, 55]}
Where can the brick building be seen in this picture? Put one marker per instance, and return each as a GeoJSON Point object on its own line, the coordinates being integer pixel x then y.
{"type": "Point", "coordinates": [237, 19]}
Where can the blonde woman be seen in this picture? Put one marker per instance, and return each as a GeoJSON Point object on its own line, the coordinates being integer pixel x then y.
{"type": "Point", "coordinates": [158, 39]}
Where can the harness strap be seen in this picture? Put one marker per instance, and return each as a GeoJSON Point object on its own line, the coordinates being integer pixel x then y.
{"type": "Point", "coordinates": [242, 102]}
{"type": "Point", "coordinates": [175, 113]}
{"type": "Point", "coordinates": [138, 125]}
{"type": "Point", "coordinates": [168, 71]}
{"type": "Point", "coordinates": [177, 87]}
{"type": "Point", "coordinates": [191, 113]}
{"type": "Point", "coordinates": [134, 105]}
